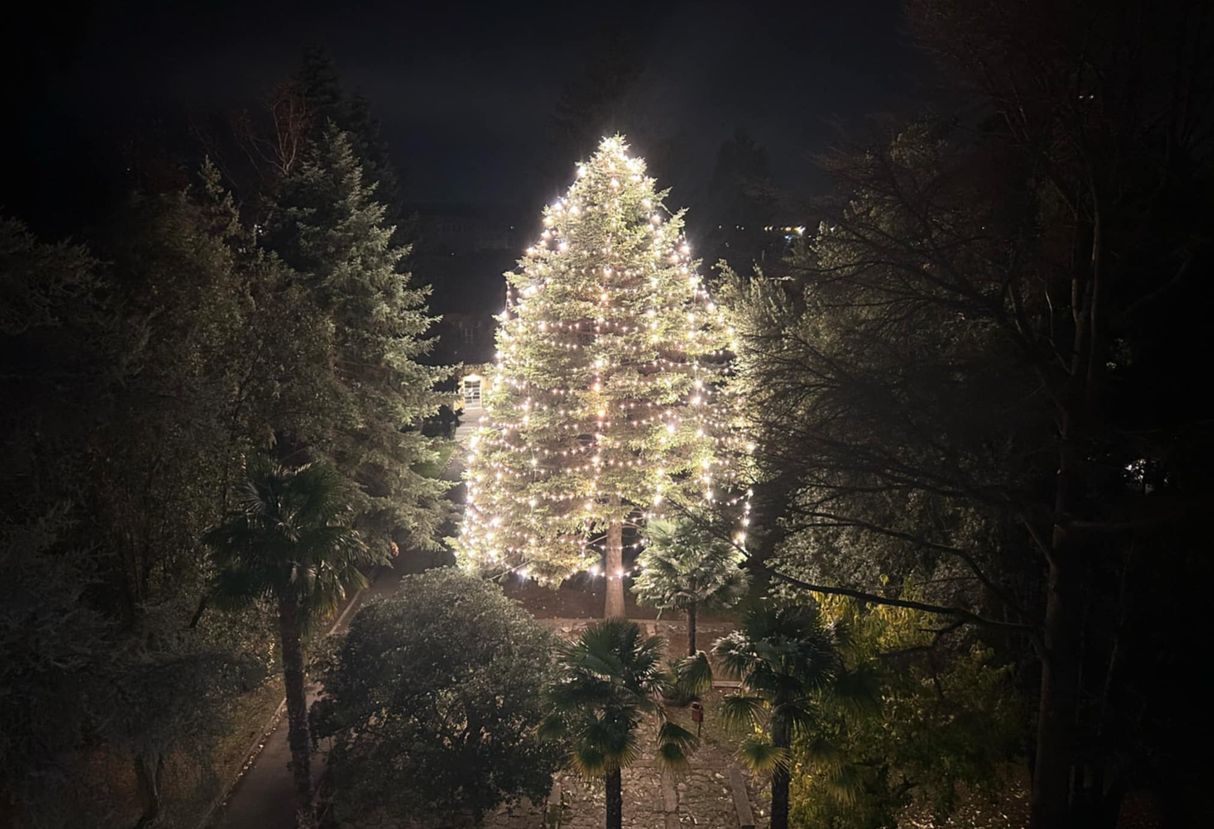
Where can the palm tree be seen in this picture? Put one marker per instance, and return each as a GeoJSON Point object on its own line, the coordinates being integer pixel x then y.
{"type": "Point", "coordinates": [290, 542]}
{"type": "Point", "coordinates": [785, 659]}
{"type": "Point", "coordinates": [686, 569]}
{"type": "Point", "coordinates": [608, 681]}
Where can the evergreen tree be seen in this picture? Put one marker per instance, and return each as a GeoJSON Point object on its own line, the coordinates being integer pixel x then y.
{"type": "Point", "coordinates": [603, 404]}
{"type": "Point", "coordinates": [133, 384]}
{"type": "Point", "coordinates": [596, 101]}
{"type": "Point", "coordinates": [317, 86]}
{"type": "Point", "coordinates": [331, 229]}
{"type": "Point", "coordinates": [738, 205]}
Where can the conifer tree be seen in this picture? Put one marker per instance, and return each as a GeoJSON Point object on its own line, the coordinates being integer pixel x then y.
{"type": "Point", "coordinates": [318, 89]}
{"type": "Point", "coordinates": [604, 402]}
{"type": "Point", "coordinates": [330, 228]}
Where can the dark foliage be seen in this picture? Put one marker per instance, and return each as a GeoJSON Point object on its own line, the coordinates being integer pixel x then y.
{"type": "Point", "coordinates": [433, 703]}
{"type": "Point", "coordinates": [980, 375]}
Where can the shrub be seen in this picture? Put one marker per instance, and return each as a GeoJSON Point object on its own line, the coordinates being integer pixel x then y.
{"type": "Point", "coordinates": [433, 702]}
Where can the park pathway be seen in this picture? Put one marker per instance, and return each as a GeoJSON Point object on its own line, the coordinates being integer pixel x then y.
{"type": "Point", "coordinates": [264, 796]}
{"type": "Point", "coordinates": [713, 792]}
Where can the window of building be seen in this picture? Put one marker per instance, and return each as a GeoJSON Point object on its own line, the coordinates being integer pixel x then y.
{"type": "Point", "coordinates": [472, 391]}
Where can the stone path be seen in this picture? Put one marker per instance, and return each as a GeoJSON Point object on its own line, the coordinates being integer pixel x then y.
{"type": "Point", "coordinates": [264, 796]}
{"type": "Point", "coordinates": [714, 792]}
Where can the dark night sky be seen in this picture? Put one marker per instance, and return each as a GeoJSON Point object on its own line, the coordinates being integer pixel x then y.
{"type": "Point", "coordinates": [465, 92]}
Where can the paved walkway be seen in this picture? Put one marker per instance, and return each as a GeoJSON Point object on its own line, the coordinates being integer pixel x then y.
{"type": "Point", "coordinates": [264, 797]}
{"type": "Point", "coordinates": [713, 793]}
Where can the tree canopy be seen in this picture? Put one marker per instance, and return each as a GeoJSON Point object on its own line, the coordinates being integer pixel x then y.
{"type": "Point", "coordinates": [329, 227]}
{"type": "Point", "coordinates": [604, 400]}
{"type": "Point", "coordinates": [433, 701]}
{"type": "Point", "coordinates": [970, 378]}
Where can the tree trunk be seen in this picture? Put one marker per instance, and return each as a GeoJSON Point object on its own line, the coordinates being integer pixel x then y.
{"type": "Point", "coordinates": [148, 770]}
{"type": "Point", "coordinates": [289, 625]}
{"type": "Point", "coordinates": [1050, 804]}
{"type": "Point", "coordinates": [1058, 735]}
{"type": "Point", "coordinates": [615, 799]}
{"type": "Point", "coordinates": [615, 569]}
{"type": "Point", "coordinates": [780, 738]}
{"type": "Point", "coordinates": [691, 631]}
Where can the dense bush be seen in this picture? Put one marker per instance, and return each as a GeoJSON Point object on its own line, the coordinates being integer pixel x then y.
{"type": "Point", "coordinates": [433, 702]}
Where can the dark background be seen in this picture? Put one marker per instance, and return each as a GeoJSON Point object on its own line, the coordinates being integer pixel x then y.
{"type": "Point", "coordinates": [470, 98]}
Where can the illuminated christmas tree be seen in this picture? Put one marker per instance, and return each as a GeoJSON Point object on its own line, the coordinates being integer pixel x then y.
{"type": "Point", "coordinates": [605, 403]}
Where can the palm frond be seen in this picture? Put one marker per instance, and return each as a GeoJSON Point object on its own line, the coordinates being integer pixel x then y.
{"type": "Point", "coordinates": [553, 727]}
{"type": "Point", "coordinates": [843, 784]}
{"type": "Point", "coordinates": [672, 757]}
{"type": "Point", "coordinates": [235, 588]}
{"type": "Point", "coordinates": [735, 653]}
{"type": "Point", "coordinates": [285, 538]}
{"type": "Point", "coordinates": [579, 692]}
{"type": "Point", "coordinates": [743, 711]}
{"type": "Point", "coordinates": [761, 755]}
{"type": "Point", "coordinates": [824, 753]}
{"type": "Point", "coordinates": [799, 715]}
{"type": "Point", "coordinates": [684, 566]}
{"type": "Point", "coordinates": [609, 679]}
{"type": "Point", "coordinates": [691, 675]}
{"type": "Point", "coordinates": [589, 760]}
{"type": "Point", "coordinates": [672, 732]}
{"type": "Point", "coordinates": [615, 743]}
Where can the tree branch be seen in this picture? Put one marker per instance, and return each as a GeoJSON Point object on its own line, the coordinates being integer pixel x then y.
{"type": "Point", "coordinates": [962, 614]}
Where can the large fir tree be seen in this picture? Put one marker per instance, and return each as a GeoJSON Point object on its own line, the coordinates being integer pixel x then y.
{"type": "Point", "coordinates": [330, 228]}
{"type": "Point", "coordinates": [604, 400]}
{"type": "Point", "coordinates": [317, 90]}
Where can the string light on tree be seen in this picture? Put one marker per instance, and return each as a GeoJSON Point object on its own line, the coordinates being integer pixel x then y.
{"type": "Point", "coordinates": [606, 401]}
